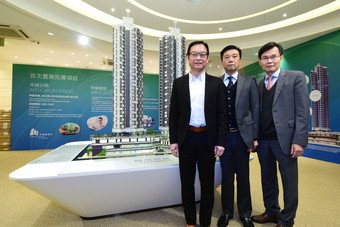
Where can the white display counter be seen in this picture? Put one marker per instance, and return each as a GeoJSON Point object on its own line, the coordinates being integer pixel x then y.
{"type": "Point", "coordinates": [99, 187]}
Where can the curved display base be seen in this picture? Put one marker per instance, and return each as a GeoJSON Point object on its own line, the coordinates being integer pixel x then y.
{"type": "Point", "coordinates": [94, 188]}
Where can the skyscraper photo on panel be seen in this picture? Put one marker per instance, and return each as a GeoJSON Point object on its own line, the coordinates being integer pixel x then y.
{"type": "Point", "coordinates": [320, 109]}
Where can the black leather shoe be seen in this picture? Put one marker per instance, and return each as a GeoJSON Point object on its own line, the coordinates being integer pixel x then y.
{"type": "Point", "coordinates": [246, 222]}
{"type": "Point", "coordinates": [223, 221]}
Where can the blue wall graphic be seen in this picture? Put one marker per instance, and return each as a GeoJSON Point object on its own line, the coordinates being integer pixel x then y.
{"type": "Point", "coordinates": [53, 105]}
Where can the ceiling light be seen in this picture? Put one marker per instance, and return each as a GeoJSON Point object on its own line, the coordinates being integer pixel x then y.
{"type": "Point", "coordinates": [50, 33]}
{"type": "Point", "coordinates": [196, 2]}
{"type": "Point", "coordinates": [113, 9]}
{"type": "Point", "coordinates": [51, 51]}
{"type": "Point", "coordinates": [220, 29]}
{"type": "Point", "coordinates": [83, 40]}
{"type": "Point", "coordinates": [284, 15]}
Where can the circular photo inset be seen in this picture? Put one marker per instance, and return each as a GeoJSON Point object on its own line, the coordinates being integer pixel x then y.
{"type": "Point", "coordinates": [97, 122]}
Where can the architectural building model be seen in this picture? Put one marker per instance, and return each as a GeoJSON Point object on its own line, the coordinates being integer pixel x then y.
{"type": "Point", "coordinates": [127, 77]}
{"type": "Point", "coordinates": [171, 66]}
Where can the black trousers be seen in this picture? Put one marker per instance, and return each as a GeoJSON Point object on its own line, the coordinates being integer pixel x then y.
{"type": "Point", "coordinates": [235, 161]}
{"type": "Point", "coordinates": [195, 151]}
{"type": "Point", "coordinates": [270, 153]}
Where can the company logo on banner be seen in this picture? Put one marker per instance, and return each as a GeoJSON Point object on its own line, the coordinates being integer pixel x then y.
{"type": "Point", "coordinates": [35, 133]}
{"type": "Point", "coordinates": [52, 105]}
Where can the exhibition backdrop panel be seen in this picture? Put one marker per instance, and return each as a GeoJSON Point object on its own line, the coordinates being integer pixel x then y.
{"type": "Point", "coordinates": [53, 105]}
{"type": "Point", "coordinates": [320, 55]}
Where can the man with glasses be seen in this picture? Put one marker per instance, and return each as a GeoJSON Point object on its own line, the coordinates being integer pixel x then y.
{"type": "Point", "coordinates": [284, 118]}
{"type": "Point", "coordinates": [242, 132]}
{"type": "Point", "coordinates": [197, 127]}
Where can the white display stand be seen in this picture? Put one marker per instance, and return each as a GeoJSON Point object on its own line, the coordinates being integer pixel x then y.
{"type": "Point", "coordinates": [92, 188]}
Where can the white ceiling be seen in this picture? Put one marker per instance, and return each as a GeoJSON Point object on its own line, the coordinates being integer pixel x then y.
{"type": "Point", "coordinates": [246, 23]}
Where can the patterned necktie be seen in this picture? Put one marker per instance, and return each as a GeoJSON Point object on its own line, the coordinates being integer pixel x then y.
{"type": "Point", "coordinates": [270, 82]}
{"type": "Point", "coordinates": [230, 81]}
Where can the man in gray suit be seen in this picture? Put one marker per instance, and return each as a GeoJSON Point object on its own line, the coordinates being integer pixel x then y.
{"type": "Point", "coordinates": [243, 116]}
{"type": "Point", "coordinates": [284, 118]}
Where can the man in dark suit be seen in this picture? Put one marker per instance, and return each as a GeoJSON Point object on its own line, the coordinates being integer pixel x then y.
{"type": "Point", "coordinates": [197, 127]}
{"type": "Point", "coordinates": [284, 118]}
{"type": "Point", "coordinates": [242, 132]}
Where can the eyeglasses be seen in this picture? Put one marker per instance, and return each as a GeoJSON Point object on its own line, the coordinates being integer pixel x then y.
{"type": "Point", "coordinates": [235, 56]}
{"type": "Point", "coordinates": [201, 55]}
{"type": "Point", "coordinates": [272, 58]}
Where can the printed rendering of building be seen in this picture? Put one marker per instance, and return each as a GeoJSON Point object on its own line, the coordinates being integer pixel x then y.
{"type": "Point", "coordinates": [127, 77]}
{"type": "Point", "coordinates": [320, 108]}
{"type": "Point", "coordinates": [171, 66]}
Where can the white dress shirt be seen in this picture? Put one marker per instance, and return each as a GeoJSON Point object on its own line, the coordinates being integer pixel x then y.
{"type": "Point", "coordinates": [197, 93]}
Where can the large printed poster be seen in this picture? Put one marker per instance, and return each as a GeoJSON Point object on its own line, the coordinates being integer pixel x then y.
{"type": "Point", "coordinates": [53, 105]}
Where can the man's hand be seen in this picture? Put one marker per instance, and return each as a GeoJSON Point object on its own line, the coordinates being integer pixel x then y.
{"type": "Point", "coordinates": [174, 149]}
{"type": "Point", "coordinates": [296, 150]}
{"type": "Point", "coordinates": [218, 151]}
{"type": "Point", "coordinates": [254, 148]}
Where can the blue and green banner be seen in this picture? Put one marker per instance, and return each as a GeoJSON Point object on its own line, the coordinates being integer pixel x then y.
{"type": "Point", "coordinates": [53, 105]}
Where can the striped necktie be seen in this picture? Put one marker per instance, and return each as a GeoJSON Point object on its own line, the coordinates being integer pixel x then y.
{"type": "Point", "coordinates": [270, 82]}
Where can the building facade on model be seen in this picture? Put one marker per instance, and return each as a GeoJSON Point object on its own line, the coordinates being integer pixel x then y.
{"type": "Point", "coordinates": [127, 77]}
{"type": "Point", "coordinates": [171, 66]}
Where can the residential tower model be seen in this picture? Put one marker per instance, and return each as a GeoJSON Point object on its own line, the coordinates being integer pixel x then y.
{"type": "Point", "coordinates": [127, 78]}
{"type": "Point", "coordinates": [171, 66]}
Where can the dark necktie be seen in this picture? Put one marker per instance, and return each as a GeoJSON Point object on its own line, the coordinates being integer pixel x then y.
{"type": "Point", "coordinates": [230, 84]}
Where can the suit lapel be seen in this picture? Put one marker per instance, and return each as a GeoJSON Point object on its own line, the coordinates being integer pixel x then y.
{"type": "Point", "coordinates": [186, 90]}
{"type": "Point", "coordinates": [261, 85]}
{"type": "Point", "coordinates": [207, 87]}
{"type": "Point", "coordinates": [240, 83]}
{"type": "Point", "coordinates": [279, 84]}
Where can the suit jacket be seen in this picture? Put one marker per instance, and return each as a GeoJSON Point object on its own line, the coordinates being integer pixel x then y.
{"type": "Point", "coordinates": [290, 109]}
{"type": "Point", "coordinates": [247, 108]}
{"type": "Point", "coordinates": [214, 109]}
